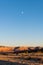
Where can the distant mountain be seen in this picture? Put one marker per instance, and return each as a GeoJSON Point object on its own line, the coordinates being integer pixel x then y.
{"type": "Point", "coordinates": [20, 49]}
{"type": "Point", "coordinates": [27, 49]}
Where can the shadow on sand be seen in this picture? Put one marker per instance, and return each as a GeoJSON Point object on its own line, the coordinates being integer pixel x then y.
{"type": "Point", "coordinates": [2, 62]}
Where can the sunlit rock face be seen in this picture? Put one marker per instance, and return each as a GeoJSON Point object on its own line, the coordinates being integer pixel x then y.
{"type": "Point", "coordinates": [6, 49]}
{"type": "Point", "coordinates": [12, 49]}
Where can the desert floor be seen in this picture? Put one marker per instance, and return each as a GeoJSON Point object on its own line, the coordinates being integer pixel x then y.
{"type": "Point", "coordinates": [21, 59]}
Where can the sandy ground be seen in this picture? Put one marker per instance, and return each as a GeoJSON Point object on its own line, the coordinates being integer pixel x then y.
{"type": "Point", "coordinates": [21, 59]}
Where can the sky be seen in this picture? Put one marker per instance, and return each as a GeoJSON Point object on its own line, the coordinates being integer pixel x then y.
{"type": "Point", "coordinates": [21, 22]}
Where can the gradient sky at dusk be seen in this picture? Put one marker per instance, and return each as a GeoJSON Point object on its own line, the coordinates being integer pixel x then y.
{"type": "Point", "coordinates": [21, 22]}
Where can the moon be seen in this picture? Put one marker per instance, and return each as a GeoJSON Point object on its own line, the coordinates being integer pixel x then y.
{"type": "Point", "coordinates": [22, 12]}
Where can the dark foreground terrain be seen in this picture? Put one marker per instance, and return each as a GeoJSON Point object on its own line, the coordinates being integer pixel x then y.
{"type": "Point", "coordinates": [9, 63]}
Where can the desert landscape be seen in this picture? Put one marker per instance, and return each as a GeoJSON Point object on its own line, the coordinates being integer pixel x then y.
{"type": "Point", "coordinates": [21, 55]}
{"type": "Point", "coordinates": [21, 32]}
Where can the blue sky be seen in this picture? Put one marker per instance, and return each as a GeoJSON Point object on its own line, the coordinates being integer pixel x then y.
{"type": "Point", "coordinates": [21, 22]}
